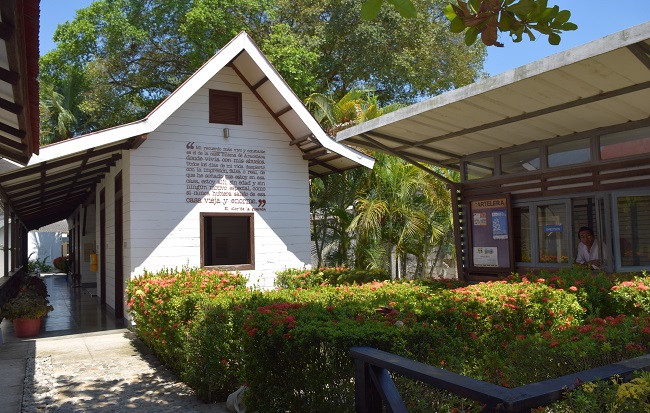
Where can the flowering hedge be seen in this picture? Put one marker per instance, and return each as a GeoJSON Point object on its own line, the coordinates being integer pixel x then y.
{"type": "Point", "coordinates": [163, 303]}
{"type": "Point", "coordinates": [61, 264]}
{"type": "Point", "coordinates": [304, 278]}
{"type": "Point", "coordinates": [291, 345]}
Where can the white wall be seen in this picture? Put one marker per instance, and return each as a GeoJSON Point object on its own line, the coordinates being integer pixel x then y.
{"type": "Point", "coordinates": [42, 245]}
{"type": "Point", "coordinates": [164, 228]}
{"type": "Point", "coordinates": [162, 223]}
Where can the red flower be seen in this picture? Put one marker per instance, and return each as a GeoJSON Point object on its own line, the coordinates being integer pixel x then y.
{"type": "Point", "coordinates": [598, 337]}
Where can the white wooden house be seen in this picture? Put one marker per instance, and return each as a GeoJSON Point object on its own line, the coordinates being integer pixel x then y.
{"type": "Point", "coordinates": [216, 176]}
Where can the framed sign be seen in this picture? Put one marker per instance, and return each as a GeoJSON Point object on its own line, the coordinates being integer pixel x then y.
{"type": "Point", "coordinates": [490, 235]}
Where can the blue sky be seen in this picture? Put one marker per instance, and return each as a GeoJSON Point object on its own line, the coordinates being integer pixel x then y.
{"type": "Point", "coordinates": [595, 19]}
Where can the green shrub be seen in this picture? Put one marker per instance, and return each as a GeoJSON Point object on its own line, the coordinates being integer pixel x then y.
{"type": "Point", "coordinates": [591, 289]}
{"type": "Point", "coordinates": [632, 297]}
{"type": "Point", "coordinates": [596, 342]}
{"type": "Point", "coordinates": [291, 346]}
{"type": "Point", "coordinates": [213, 350]}
{"type": "Point", "coordinates": [608, 396]}
{"type": "Point", "coordinates": [304, 278]}
{"type": "Point", "coordinates": [38, 265]}
{"type": "Point", "coordinates": [163, 304]}
{"type": "Point", "coordinates": [61, 264]}
{"type": "Point", "coordinates": [297, 357]}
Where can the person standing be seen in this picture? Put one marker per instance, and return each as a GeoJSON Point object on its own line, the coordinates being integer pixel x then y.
{"type": "Point", "coordinates": [588, 251]}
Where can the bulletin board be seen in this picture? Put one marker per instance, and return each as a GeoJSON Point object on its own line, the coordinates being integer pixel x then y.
{"type": "Point", "coordinates": [490, 235]}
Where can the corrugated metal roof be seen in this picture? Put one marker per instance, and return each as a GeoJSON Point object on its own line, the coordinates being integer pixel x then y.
{"type": "Point", "coordinates": [602, 83]}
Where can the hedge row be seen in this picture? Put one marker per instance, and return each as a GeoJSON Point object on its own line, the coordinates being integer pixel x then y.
{"type": "Point", "coordinates": [291, 346]}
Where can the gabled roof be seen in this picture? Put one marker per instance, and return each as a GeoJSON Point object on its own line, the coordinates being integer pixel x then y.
{"type": "Point", "coordinates": [63, 174]}
{"type": "Point", "coordinates": [602, 83]}
{"type": "Point", "coordinates": [19, 114]}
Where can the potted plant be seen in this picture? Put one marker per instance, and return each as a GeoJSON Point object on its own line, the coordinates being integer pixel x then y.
{"type": "Point", "coordinates": [28, 307]}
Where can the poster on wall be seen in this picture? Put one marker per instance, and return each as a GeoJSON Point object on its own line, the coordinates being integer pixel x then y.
{"type": "Point", "coordinates": [486, 257]}
{"type": "Point", "coordinates": [499, 225]}
{"type": "Point", "coordinates": [490, 234]}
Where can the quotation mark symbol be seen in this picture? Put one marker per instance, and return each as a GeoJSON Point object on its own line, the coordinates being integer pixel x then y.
{"type": "Point", "coordinates": [261, 203]}
{"type": "Point", "coordinates": [190, 145]}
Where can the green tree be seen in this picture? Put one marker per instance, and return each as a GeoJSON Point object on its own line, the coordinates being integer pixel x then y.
{"type": "Point", "coordinates": [402, 210]}
{"type": "Point", "coordinates": [60, 110]}
{"type": "Point", "coordinates": [333, 196]}
{"type": "Point", "coordinates": [133, 53]}
{"type": "Point", "coordinates": [57, 120]}
{"type": "Point", "coordinates": [488, 18]}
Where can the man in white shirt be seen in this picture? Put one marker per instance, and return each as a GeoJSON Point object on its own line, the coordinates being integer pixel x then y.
{"type": "Point", "coordinates": [588, 253]}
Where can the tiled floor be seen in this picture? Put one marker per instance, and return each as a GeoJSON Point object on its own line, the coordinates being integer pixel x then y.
{"type": "Point", "coordinates": [75, 311]}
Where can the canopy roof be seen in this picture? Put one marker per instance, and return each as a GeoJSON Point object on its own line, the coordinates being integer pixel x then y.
{"type": "Point", "coordinates": [19, 114]}
{"type": "Point", "coordinates": [602, 83]}
{"type": "Point", "coordinates": [65, 174]}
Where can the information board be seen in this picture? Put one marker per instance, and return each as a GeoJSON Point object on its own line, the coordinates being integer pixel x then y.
{"type": "Point", "coordinates": [490, 235]}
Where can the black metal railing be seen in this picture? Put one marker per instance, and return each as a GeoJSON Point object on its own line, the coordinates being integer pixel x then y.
{"type": "Point", "coordinates": [375, 389]}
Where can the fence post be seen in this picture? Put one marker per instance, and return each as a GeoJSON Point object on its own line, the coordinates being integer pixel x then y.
{"type": "Point", "coordinates": [366, 395]}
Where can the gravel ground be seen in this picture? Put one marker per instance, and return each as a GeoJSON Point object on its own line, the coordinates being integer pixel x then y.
{"type": "Point", "coordinates": [131, 384]}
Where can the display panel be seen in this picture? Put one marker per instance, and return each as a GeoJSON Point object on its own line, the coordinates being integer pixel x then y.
{"type": "Point", "coordinates": [491, 236]}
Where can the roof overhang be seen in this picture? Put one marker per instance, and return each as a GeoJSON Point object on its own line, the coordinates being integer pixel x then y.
{"type": "Point", "coordinates": [19, 110]}
{"type": "Point", "coordinates": [51, 190]}
{"type": "Point", "coordinates": [599, 84]}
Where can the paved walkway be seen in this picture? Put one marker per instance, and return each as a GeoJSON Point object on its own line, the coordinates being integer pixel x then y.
{"type": "Point", "coordinates": [77, 365]}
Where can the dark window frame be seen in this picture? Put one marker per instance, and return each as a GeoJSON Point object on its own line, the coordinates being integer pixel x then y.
{"type": "Point", "coordinates": [225, 107]}
{"type": "Point", "coordinates": [205, 242]}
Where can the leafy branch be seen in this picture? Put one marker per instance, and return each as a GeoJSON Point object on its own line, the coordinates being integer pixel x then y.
{"type": "Point", "coordinates": [516, 17]}
{"type": "Point", "coordinates": [491, 17]}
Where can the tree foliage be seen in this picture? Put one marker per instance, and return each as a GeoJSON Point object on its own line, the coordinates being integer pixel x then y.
{"type": "Point", "coordinates": [491, 17]}
{"type": "Point", "coordinates": [130, 54]}
{"type": "Point", "coordinates": [364, 218]}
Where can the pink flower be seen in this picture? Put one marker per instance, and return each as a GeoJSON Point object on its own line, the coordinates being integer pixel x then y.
{"type": "Point", "coordinates": [573, 288]}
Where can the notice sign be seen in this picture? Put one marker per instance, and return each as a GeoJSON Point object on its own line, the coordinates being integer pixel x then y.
{"type": "Point", "coordinates": [499, 225]}
{"type": "Point", "coordinates": [486, 257]}
{"type": "Point", "coordinates": [553, 228]}
{"type": "Point", "coordinates": [490, 243]}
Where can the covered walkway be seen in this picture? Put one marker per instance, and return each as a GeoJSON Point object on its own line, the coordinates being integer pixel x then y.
{"type": "Point", "coordinates": [85, 361]}
{"type": "Point", "coordinates": [76, 311]}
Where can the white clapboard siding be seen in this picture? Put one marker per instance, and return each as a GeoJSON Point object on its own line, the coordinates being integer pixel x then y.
{"type": "Point", "coordinates": [164, 228]}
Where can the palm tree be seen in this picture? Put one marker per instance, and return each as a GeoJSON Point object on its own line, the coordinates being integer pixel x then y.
{"type": "Point", "coordinates": [358, 105]}
{"type": "Point", "coordinates": [331, 204]}
{"type": "Point", "coordinates": [365, 218]}
{"type": "Point", "coordinates": [56, 121]}
{"type": "Point", "coordinates": [61, 111]}
{"type": "Point", "coordinates": [389, 212]}
{"type": "Point", "coordinates": [332, 197]}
